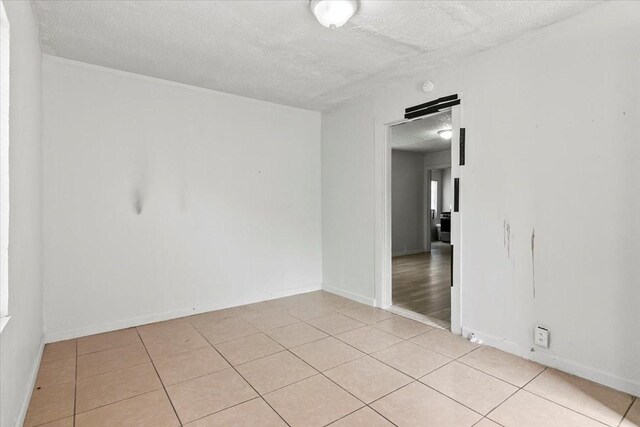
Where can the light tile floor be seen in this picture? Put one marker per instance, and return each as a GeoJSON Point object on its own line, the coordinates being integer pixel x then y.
{"type": "Point", "coordinates": [309, 360]}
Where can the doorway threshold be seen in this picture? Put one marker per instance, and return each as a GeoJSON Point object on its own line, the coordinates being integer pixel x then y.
{"type": "Point", "coordinates": [440, 324]}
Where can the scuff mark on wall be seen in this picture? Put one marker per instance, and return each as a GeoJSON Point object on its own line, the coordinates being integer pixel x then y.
{"type": "Point", "coordinates": [140, 179]}
{"type": "Point", "coordinates": [138, 199]}
{"type": "Point", "coordinates": [507, 237]}
{"type": "Point", "coordinates": [533, 260]}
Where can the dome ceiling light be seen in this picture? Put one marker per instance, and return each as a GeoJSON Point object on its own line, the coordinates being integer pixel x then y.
{"type": "Point", "coordinates": [445, 133]}
{"type": "Point", "coordinates": [333, 13]}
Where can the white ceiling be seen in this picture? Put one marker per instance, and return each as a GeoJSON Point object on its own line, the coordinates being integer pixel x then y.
{"type": "Point", "coordinates": [276, 50]}
{"type": "Point", "coordinates": [422, 135]}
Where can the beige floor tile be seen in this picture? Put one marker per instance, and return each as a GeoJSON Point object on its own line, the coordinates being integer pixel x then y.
{"type": "Point", "coordinates": [267, 306]}
{"type": "Point", "coordinates": [444, 342]}
{"type": "Point", "coordinates": [365, 417]}
{"type": "Point", "coordinates": [249, 348]}
{"type": "Point", "coordinates": [227, 330]}
{"type": "Point", "coordinates": [632, 419]}
{"type": "Point", "coordinates": [204, 320]}
{"type": "Point", "coordinates": [326, 353]}
{"type": "Point", "coordinates": [111, 360]}
{"type": "Point", "coordinates": [65, 422]}
{"type": "Point", "coordinates": [168, 328]}
{"type": "Point", "coordinates": [593, 400]}
{"type": "Point", "coordinates": [418, 405]}
{"type": "Point", "coordinates": [59, 350]}
{"type": "Point", "coordinates": [310, 313]}
{"type": "Point", "coordinates": [472, 388]}
{"type": "Point", "coordinates": [107, 341]}
{"type": "Point", "coordinates": [254, 413]}
{"type": "Point", "coordinates": [313, 402]}
{"type": "Point", "coordinates": [368, 314]}
{"type": "Point", "coordinates": [50, 404]}
{"type": "Point", "coordinates": [186, 366]}
{"type": "Point", "coordinates": [115, 386]}
{"type": "Point", "coordinates": [180, 342]}
{"type": "Point", "coordinates": [368, 379]}
{"type": "Point", "coordinates": [368, 339]}
{"type": "Point", "coordinates": [271, 320]}
{"type": "Point", "coordinates": [507, 367]}
{"type": "Point", "coordinates": [402, 327]}
{"type": "Point", "coordinates": [56, 372]}
{"type": "Point", "coordinates": [335, 324]}
{"type": "Point", "coordinates": [296, 335]}
{"type": "Point", "coordinates": [486, 422]}
{"type": "Point", "coordinates": [203, 396]}
{"type": "Point", "coordinates": [148, 410]}
{"type": "Point", "coordinates": [411, 359]}
{"type": "Point", "coordinates": [275, 371]}
{"type": "Point", "coordinates": [524, 409]}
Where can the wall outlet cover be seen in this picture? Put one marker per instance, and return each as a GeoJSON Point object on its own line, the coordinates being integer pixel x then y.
{"type": "Point", "coordinates": [541, 336]}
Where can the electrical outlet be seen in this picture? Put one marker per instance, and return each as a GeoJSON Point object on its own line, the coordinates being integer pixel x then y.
{"type": "Point", "coordinates": [541, 336]}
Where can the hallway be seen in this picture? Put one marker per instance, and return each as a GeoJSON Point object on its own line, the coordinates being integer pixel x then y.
{"type": "Point", "coordinates": [422, 282]}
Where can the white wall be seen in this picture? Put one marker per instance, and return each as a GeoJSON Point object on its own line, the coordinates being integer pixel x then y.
{"type": "Point", "coordinates": [447, 191]}
{"type": "Point", "coordinates": [438, 160]}
{"type": "Point", "coordinates": [21, 340]}
{"type": "Point", "coordinates": [228, 190]}
{"type": "Point", "coordinates": [347, 201]}
{"type": "Point", "coordinates": [407, 193]}
{"type": "Point", "coordinates": [571, 88]}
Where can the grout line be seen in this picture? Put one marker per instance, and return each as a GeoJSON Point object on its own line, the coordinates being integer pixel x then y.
{"type": "Point", "coordinates": [306, 322]}
{"type": "Point", "coordinates": [159, 378]}
{"type": "Point", "coordinates": [245, 380]}
{"type": "Point", "coordinates": [628, 409]}
{"type": "Point", "coordinates": [75, 388]}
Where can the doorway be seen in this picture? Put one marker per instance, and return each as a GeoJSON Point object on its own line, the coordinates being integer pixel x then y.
{"type": "Point", "coordinates": [421, 205]}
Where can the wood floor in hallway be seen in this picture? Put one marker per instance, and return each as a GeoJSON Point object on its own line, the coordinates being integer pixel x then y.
{"type": "Point", "coordinates": [422, 282]}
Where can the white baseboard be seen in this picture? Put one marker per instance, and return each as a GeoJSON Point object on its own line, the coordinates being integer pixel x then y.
{"type": "Point", "coordinates": [352, 296]}
{"type": "Point", "coordinates": [174, 314]}
{"type": "Point", "coordinates": [31, 382]}
{"type": "Point", "coordinates": [557, 362]}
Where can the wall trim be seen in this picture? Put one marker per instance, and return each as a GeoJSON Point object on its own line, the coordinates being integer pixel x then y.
{"type": "Point", "coordinates": [557, 362]}
{"type": "Point", "coordinates": [31, 382]}
{"type": "Point", "coordinates": [350, 295]}
{"type": "Point", "coordinates": [168, 315]}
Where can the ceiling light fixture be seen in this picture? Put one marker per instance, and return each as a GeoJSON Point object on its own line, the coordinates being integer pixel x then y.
{"type": "Point", "coordinates": [445, 133]}
{"type": "Point", "coordinates": [333, 13]}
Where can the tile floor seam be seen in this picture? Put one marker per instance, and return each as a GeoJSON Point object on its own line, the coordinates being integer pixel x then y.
{"type": "Point", "coordinates": [451, 398]}
{"type": "Point", "coordinates": [383, 362]}
{"type": "Point", "coordinates": [245, 380]}
{"type": "Point", "coordinates": [338, 385]}
{"type": "Point", "coordinates": [627, 411]}
{"type": "Point", "coordinates": [75, 388]}
{"type": "Point", "coordinates": [391, 422]}
{"type": "Point", "coordinates": [166, 393]}
{"type": "Point", "coordinates": [573, 410]}
{"type": "Point", "coordinates": [116, 369]}
{"type": "Point", "coordinates": [498, 378]}
{"type": "Point", "coordinates": [115, 347]}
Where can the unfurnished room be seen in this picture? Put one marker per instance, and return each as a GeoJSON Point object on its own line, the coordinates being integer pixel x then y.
{"type": "Point", "coordinates": [314, 213]}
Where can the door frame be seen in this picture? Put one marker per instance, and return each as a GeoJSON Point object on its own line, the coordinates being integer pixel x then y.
{"type": "Point", "coordinates": [382, 220]}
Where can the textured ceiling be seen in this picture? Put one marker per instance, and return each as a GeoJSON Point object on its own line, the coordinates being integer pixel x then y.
{"type": "Point", "coordinates": [276, 50]}
{"type": "Point", "coordinates": [422, 135]}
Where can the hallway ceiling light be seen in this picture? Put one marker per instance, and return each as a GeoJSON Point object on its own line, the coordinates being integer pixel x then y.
{"type": "Point", "coordinates": [445, 133]}
{"type": "Point", "coordinates": [333, 13]}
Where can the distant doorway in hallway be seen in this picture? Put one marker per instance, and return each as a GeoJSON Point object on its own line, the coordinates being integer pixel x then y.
{"type": "Point", "coordinates": [421, 204]}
